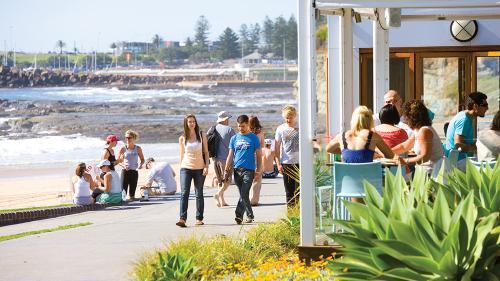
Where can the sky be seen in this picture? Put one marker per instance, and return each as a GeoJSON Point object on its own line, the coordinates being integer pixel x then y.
{"type": "Point", "coordinates": [35, 26]}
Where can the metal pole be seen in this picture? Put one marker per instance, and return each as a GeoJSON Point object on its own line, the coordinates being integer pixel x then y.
{"type": "Point", "coordinates": [307, 83]}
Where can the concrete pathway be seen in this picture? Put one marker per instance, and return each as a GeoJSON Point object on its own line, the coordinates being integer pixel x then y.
{"type": "Point", "coordinates": [107, 249]}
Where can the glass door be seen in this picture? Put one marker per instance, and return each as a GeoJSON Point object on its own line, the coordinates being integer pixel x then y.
{"type": "Point", "coordinates": [401, 77]}
{"type": "Point", "coordinates": [443, 82]}
{"type": "Point", "coordinates": [486, 67]}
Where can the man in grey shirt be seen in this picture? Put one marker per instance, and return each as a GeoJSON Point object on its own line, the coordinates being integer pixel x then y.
{"type": "Point", "coordinates": [163, 174]}
{"type": "Point", "coordinates": [225, 132]}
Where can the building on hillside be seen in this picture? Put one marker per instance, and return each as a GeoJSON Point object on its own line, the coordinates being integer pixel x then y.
{"type": "Point", "coordinates": [253, 58]}
{"type": "Point", "coordinates": [171, 44]}
{"type": "Point", "coordinates": [133, 47]}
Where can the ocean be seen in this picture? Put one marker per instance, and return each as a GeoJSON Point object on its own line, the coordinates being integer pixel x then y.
{"type": "Point", "coordinates": [50, 148]}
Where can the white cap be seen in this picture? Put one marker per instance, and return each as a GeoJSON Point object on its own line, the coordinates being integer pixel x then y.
{"type": "Point", "coordinates": [104, 163]}
{"type": "Point", "coordinates": [268, 141]}
{"type": "Point", "coordinates": [223, 116]}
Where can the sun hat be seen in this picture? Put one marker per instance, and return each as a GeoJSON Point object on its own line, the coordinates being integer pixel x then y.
{"type": "Point", "coordinates": [223, 116]}
{"type": "Point", "coordinates": [111, 138]}
{"type": "Point", "coordinates": [268, 141]}
{"type": "Point", "coordinates": [104, 163]}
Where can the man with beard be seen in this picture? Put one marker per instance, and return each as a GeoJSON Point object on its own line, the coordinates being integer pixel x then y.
{"type": "Point", "coordinates": [460, 134]}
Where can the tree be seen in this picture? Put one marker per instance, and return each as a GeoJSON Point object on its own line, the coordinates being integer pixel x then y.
{"type": "Point", "coordinates": [267, 33]}
{"type": "Point", "coordinates": [201, 34]}
{"type": "Point", "coordinates": [228, 44]}
{"type": "Point", "coordinates": [291, 39]}
{"type": "Point", "coordinates": [245, 43]}
{"type": "Point", "coordinates": [279, 36]}
{"type": "Point", "coordinates": [254, 36]}
{"type": "Point", "coordinates": [156, 40]}
{"type": "Point", "coordinates": [60, 44]}
{"type": "Point", "coordinates": [172, 54]}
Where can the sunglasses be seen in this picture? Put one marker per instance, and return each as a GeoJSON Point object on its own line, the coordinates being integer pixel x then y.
{"type": "Point", "coordinates": [128, 137]}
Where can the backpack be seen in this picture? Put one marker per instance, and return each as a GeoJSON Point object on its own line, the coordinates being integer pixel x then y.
{"type": "Point", "coordinates": [213, 140]}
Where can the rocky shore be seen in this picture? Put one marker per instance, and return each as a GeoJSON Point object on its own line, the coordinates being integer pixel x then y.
{"type": "Point", "coordinates": [156, 119]}
{"type": "Point", "coordinates": [16, 78]}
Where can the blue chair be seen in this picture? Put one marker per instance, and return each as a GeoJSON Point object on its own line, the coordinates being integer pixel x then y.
{"type": "Point", "coordinates": [348, 183]}
{"type": "Point", "coordinates": [324, 196]}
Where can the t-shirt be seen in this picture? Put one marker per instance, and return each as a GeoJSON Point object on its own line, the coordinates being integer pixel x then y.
{"type": "Point", "coordinates": [244, 147]}
{"type": "Point", "coordinates": [289, 149]}
{"type": "Point", "coordinates": [461, 125]}
{"type": "Point", "coordinates": [226, 133]}
{"type": "Point", "coordinates": [162, 174]}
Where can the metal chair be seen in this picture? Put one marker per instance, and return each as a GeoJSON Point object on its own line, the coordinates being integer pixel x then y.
{"type": "Point", "coordinates": [322, 197]}
{"type": "Point", "coordinates": [348, 183]}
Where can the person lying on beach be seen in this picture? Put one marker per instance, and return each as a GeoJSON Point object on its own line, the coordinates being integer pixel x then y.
{"type": "Point", "coordinates": [112, 190]}
{"type": "Point", "coordinates": [163, 175]}
{"type": "Point", "coordinates": [82, 186]}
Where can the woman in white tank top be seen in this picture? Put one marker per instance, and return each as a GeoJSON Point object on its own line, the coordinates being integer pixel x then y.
{"type": "Point", "coordinates": [82, 186]}
{"type": "Point", "coordinates": [194, 168]}
{"type": "Point", "coordinates": [112, 188]}
{"type": "Point", "coordinates": [424, 141]}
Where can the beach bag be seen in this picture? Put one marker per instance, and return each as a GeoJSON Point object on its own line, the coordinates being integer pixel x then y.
{"type": "Point", "coordinates": [213, 140]}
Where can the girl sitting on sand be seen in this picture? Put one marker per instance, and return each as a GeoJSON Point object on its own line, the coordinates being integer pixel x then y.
{"type": "Point", "coordinates": [112, 190]}
{"type": "Point", "coordinates": [82, 186]}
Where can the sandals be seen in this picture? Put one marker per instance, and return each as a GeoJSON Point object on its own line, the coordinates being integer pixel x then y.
{"type": "Point", "coordinates": [181, 223]}
{"type": "Point", "coordinates": [198, 223]}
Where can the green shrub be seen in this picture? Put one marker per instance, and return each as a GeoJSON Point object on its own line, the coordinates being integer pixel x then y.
{"type": "Point", "coordinates": [217, 256]}
{"type": "Point", "coordinates": [173, 267]}
{"type": "Point", "coordinates": [412, 234]}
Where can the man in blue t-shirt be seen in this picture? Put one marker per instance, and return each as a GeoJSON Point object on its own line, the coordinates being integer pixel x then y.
{"type": "Point", "coordinates": [460, 133]}
{"type": "Point", "coordinates": [244, 152]}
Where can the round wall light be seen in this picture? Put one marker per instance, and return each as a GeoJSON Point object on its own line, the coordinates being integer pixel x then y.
{"type": "Point", "coordinates": [463, 30]}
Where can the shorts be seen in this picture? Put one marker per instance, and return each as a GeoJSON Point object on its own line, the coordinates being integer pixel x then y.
{"type": "Point", "coordinates": [219, 166]}
{"type": "Point", "coordinates": [270, 175]}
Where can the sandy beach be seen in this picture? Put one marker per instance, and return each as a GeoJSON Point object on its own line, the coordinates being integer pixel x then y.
{"type": "Point", "coordinates": [36, 187]}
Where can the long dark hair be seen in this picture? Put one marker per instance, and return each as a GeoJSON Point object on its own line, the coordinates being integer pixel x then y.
{"type": "Point", "coordinates": [254, 123]}
{"type": "Point", "coordinates": [80, 169]}
{"type": "Point", "coordinates": [417, 114]}
{"type": "Point", "coordinates": [186, 128]}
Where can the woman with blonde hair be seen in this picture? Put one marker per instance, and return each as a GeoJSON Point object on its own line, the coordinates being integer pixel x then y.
{"type": "Point", "coordinates": [194, 167]}
{"type": "Point", "coordinates": [82, 186]}
{"type": "Point", "coordinates": [130, 155]}
{"type": "Point", "coordinates": [358, 144]}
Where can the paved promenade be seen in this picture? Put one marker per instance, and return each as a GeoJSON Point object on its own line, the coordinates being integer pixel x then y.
{"type": "Point", "coordinates": [107, 249]}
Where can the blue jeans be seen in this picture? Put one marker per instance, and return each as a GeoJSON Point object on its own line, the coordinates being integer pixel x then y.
{"type": "Point", "coordinates": [199, 179]}
{"type": "Point", "coordinates": [243, 179]}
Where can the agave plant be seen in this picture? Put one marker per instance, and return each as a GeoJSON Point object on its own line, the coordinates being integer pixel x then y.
{"type": "Point", "coordinates": [174, 267]}
{"type": "Point", "coordinates": [404, 235]}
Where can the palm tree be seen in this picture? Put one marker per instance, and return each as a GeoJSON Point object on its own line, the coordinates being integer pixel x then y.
{"type": "Point", "coordinates": [113, 47]}
{"type": "Point", "coordinates": [60, 44]}
{"type": "Point", "coordinates": [157, 41]}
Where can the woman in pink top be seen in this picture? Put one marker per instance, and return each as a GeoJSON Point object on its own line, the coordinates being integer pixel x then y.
{"type": "Point", "coordinates": [194, 167]}
{"type": "Point", "coordinates": [390, 133]}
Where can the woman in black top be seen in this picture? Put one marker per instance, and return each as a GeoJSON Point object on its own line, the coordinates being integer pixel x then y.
{"type": "Point", "coordinates": [109, 153]}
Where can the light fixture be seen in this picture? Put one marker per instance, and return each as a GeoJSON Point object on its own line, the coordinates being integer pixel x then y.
{"type": "Point", "coordinates": [463, 30]}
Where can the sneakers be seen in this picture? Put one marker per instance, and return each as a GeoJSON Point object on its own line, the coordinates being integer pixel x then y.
{"type": "Point", "coordinates": [240, 220]}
